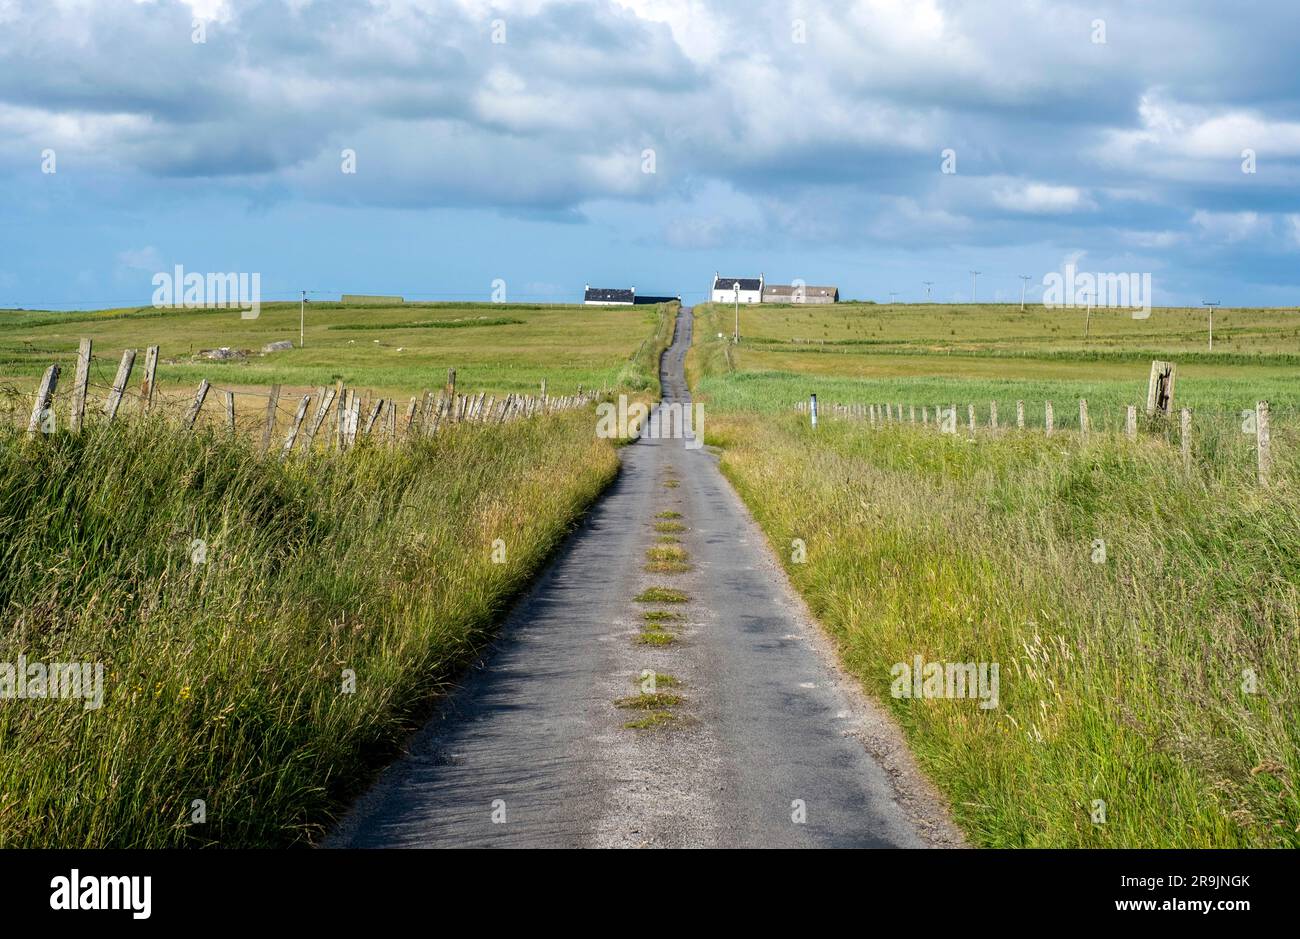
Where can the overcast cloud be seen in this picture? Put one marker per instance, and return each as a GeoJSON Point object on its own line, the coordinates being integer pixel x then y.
{"type": "Point", "coordinates": [803, 139]}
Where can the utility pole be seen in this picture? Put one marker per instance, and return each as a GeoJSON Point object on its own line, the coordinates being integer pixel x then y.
{"type": "Point", "coordinates": [973, 275]}
{"type": "Point", "coordinates": [928, 284]}
{"type": "Point", "coordinates": [892, 295]}
{"type": "Point", "coordinates": [736, 289]}
{"type": "Point", "coordinates": [1087, 321]}
{"type": "Point", "coordinates": [302, 320]}
{"type": "Point", "coordinates": [1211, 304]}
{"type": "Point", "coordinates": [1026, 278]}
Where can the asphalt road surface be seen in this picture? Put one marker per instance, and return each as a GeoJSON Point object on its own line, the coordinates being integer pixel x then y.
{"type": "Point", "coordinates": [771, 746]}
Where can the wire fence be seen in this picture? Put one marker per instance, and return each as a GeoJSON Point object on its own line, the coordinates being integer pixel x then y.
{"type": "Point", "coordinates": [324, 417]}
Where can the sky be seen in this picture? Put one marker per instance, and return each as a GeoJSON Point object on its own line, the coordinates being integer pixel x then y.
{"type": "Point", "coordinates": [430, 149]}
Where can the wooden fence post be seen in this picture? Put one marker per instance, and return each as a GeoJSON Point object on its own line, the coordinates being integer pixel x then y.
{"type": "Point", "coordinates": [119, 384]}
{"type": "Point", "coordinates": [410, 414]}
{"type": "Point", "coordinates": [374, 415]}
{"type": "Point", "coordinates": [1049, 419]}
{"type": "Point", "coordinates": [1020, 415]}
{"type": "Point", "coordinates": [293, 428]}
{"type": "Point", "coordinates": [1083, 418]}
{"type": "Point", "coordinates": [199, 397]}
{"type": "Point", "coordinates": [1263, 442]}
{"type": "Point", "coordinates": [344, 398]}
{"type": "Point", "coordinates": [392, 423]}
{"type": "Point", "coordinates": [44, 395]}
{"type": "Point", "coordinates": [1185, 437]}
{"type": "Point", "coordinates": [970, 418]}
{"type": "Point", "coordinates": [230, 410]}
{"type": "Point", "coordinates": [1160, 388]}
{"type": "Point", "coordinates": [1131, 422]}
{"type": "Point", "coordinates": [353, 419]}
{"type": "Point", "coordinates": [272, 403]}
{"type": "Point", "coordinates": [79, 385]}
{"type": "Point", "coordinates": [150, 374]}
{"type": "Point", "coordinates": [993, 414]}
{"type": "Point", "coordinates": [451, 386]}
{"type": "Point", "coordinates": [322, 409]}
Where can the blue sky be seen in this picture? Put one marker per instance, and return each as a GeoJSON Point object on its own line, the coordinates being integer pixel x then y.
{"type": "Point", "coordinates": [648, 143]}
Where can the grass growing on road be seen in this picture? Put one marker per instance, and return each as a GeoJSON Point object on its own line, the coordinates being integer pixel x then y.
{"type": "Point", "coordinates": [662, 616]}
{"type": "Point", "coordinates": [662, 595]}
{"type": "Point", "coordinates": [667, 559]}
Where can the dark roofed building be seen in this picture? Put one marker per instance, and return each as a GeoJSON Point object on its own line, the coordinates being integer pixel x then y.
{"type": "Point", "coordinates": [800, 293]}
{"type": "Point", "coordinates": [609, 296]}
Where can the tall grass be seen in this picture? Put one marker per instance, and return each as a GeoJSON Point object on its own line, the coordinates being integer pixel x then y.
{"type": "Point", "coordinates": [226, 679]}
{"type": "Point", "coordinates": [1121, 681]}
{"type": "Point", "coordinates": [1162, 682]}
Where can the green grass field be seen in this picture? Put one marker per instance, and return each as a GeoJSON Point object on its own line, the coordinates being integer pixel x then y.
{"type": "Point", "coordinates": [384, 351]}
{"type": "Point", "coordinates": [932, 355]}
{"type": "Point", "coordinates": [1147, 699]}
{"type": "Point", "coordinates": [263, 679]}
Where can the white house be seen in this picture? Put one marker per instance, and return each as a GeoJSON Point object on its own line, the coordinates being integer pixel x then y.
{"type": "Point", "coordinates": [724, 289]}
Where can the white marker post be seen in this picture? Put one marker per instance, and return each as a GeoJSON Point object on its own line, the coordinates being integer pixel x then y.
{"type": "Point", "coordinates": [812, 410]}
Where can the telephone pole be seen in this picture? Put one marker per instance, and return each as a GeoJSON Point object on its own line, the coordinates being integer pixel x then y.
{"type": "Point", "coordinates": [736, 288]}
{"type": "Point", "coordinates": [928, 284]}
{"type": "Point", "coordinates": [973, 275]}
{"type": "Point", "coordinates": [1211, 304]}
{"type": "Point", "coordinates": [302, 320]}
{"type": "Point", "coordinates": [1026, 278]}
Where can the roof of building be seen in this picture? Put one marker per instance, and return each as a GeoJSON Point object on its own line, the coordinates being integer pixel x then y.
{"type": "Point", "coordinates": [649, 299]}
{"type": "Point", "coordinates": [746, 283]}
{"type": "Point", "coordinates": [610, 294]}
{"type": "Point", "coordinates": [788, 290]}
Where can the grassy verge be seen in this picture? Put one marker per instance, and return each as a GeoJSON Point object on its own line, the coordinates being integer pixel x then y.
{"type": "Point", "coordinates": [268, 631]}
{"type": "Point", "coordinates": [1146, 699]}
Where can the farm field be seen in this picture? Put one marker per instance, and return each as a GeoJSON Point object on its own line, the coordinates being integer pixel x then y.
{"type": "Point", "coordinates": [389, 351]}
{"type": "Point", "coordinates": [1145, 615]}
{"type": "Point", "coordinates": [270, 629]}
{"type": "Point", "coordinates": [944, 355]}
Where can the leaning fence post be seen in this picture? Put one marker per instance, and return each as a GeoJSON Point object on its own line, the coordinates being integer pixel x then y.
{"type": "Point", "coordinates": [44, 394]}
{"type": "Point", "coordinates": [119, 383]}
{"type": "Point", "coordinates": [1263, 441]}
{"type": "Point", "coordinates": [374, 415]}
{"type": "Point", "coordinates": [451, 387]}
{"type": "Point", "coordinates": [1049, 419]}
{"type": "Point", "coordinates": [199, 398]}
{"type": "Point", "coordinates": [272, 403]}
{"type": "Point", "coordinates": [322, 409]}
{"type": "Point", "coordinates": [293, 428]}
{"type": "Point", "coordinates": [79, 385]}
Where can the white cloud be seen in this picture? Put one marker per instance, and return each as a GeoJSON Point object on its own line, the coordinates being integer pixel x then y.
{"type": "Point", "coordinates": [1231, 226]}
{"type": "Point", "coordinates": [1042, 199]}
